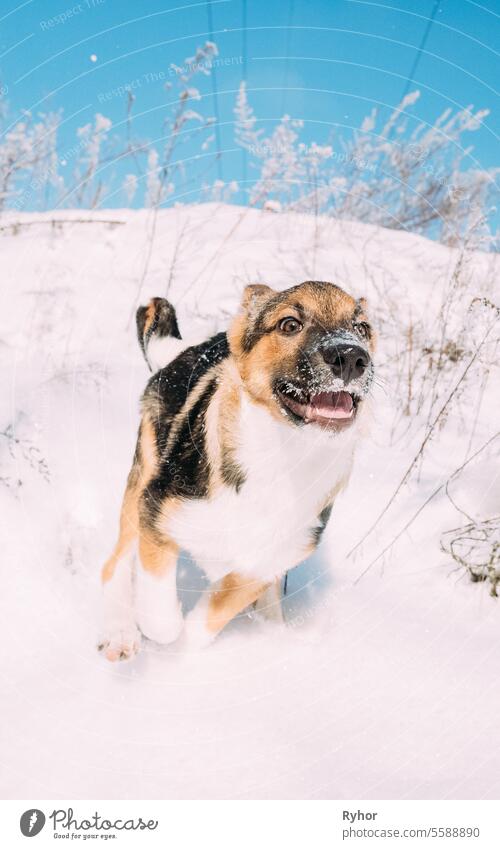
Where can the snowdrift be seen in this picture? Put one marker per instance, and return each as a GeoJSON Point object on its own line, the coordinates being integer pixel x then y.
{"type": "Point", "coordinates": [383, 687]}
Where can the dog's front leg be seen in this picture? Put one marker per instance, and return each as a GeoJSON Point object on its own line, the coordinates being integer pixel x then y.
{"type": "Point", "coordinates": [219, 606]}
{"type": "Point", "coordinates": [158, 611]}
{"type": "Point", "coordinates": [120, 639]}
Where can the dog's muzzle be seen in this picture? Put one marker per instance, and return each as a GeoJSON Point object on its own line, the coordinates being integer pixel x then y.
{"type": "Point", "coordinates": [339, 373]}
{"type": "Point", "coordinates": [347, 361]}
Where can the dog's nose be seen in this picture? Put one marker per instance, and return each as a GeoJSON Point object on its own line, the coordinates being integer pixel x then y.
{"type": "Point", "coordinates": [346, 361]}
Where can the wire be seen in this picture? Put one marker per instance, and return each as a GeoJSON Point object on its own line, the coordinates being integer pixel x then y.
{"type": "Point", "coordinates": [245, 60]}
{"type": "Point", "coordinates": [215, 94]}
{"type": "Point", "coordinates": [287, 54]}
{"type": "Point", "coordinates": [425, 36]}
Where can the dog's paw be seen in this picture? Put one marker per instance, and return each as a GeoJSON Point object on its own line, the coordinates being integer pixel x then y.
{"type": "Point", "coordinates": [120, 643]}
{"type": "Point", "coordinates": [197, 635]}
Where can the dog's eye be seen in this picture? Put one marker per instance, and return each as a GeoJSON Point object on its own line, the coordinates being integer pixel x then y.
{"type": "Point", "coordinates": [363, 329]}
{"type": "Point", "coordinates": [290, 325]}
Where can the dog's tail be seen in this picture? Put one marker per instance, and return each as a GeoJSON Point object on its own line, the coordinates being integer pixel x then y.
{"type": "Point", "coordinates": [158, 333]}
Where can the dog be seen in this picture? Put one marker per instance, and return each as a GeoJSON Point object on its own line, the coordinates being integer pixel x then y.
{"type": "Point", "coordinates": [244, 443]}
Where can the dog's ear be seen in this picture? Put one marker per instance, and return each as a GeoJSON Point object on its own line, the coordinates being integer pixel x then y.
{"type": "Point", "coordinates": [254, 296]}
{"type": "Point", "coordinates": [362, 310]}
{"type": "Point", "coordinates": [253, 299]}
{"type": "Point", "coordinates": [362, 305]}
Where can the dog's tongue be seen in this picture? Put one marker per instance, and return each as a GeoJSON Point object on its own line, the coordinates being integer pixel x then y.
{"type": "Point", "coordinates": [330, 405]}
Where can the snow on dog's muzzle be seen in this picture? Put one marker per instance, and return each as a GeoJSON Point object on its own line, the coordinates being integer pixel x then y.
{"type": "Point", "coordinates": [332, 378]}
{"type": "Point", "coordinates": [347, 361]}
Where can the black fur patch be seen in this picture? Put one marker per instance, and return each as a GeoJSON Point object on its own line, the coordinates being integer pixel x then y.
{"type": "Point", "coordinates": [168, 389]}
{"type": "Point", "coordinates": [317, 531]}
{"type": "Point", "coordinates": [184, 471]}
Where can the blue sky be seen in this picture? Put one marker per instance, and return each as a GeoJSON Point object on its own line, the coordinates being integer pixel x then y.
{"type": "Point", "coordinates": [327, 63]}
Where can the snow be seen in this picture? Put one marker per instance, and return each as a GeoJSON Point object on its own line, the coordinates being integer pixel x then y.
{"type": "Point", "coordinates": [386, 687]}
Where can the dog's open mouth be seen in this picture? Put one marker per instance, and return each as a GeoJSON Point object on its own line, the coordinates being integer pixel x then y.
{"type": "Point", "coordinates": [328, 409]}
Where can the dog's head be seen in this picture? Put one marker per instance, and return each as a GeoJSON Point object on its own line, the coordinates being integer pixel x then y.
{"type": "Point", "coordinates": [305, 353]}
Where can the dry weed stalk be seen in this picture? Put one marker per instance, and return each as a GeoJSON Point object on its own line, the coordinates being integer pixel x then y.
{"type": "Point", "coordinates": [475, 547]}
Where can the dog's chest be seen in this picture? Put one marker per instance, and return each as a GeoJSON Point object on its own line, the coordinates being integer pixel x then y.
{"type": "Point", "coordinates": [268, 526]}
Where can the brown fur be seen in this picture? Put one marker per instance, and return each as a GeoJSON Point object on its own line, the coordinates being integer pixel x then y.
{"type": "Point", "coordinates": [259, 352]}
{"type": "Point", "coordinates": [235, 593]}
{"type": "Point", "coordinates": [150, 314]}
{"type": "Point", "coordinates": [148, 451]}
{"type": "Point", "coordinates": [157, 558]}
{"type": "Point", "coordinates": [129, 522]}
{"type": "Point", "coordinates": [143, 469]}
{"type": "Point", "coordinates": [221, 428]}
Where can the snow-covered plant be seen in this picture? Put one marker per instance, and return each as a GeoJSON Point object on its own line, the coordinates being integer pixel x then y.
{"type": "Point", "coordinates": [475, 547]}
{"type": "Point", "coordinates": [413, 178]}
{"type": "Point", "coordinates": [398, 172]}
{"type": "Point", "coordinates": [446, 354]}
{"type": "Point", "coordinates": [130, 187]}
{"type": "Point", "coordinates": [17, 441]}
{"type": "Point", "coordinates": [184, 121]}
{"type": "Point", "coordinates": [246, 133]}
{"type": "Point", "coordinates": [282, 168]}
{"type": "Point", "coordinates": [92, 137]}
{"type": "Point", "coordinates": [32, 167]}
{"type": "Point", "coordinates": [28, 161]}
{"type": "Point", "coordinates": [157, 189]}
{"type": "Point", "coordinates": [219, 191]}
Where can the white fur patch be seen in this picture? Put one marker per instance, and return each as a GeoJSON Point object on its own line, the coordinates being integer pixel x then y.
{"type": "Point", "coordinates": [196, 634]}
{"type": "Point", "coordinates": [161, 350]}
{"type": "Point", "coordinates": [158, 611]}
{"type": "Point", "coordinates": [120, 637]}
{"type": "Point", "coordinates": [266, 528]}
